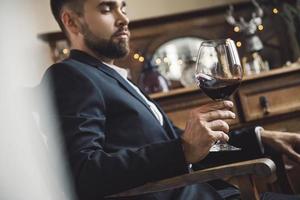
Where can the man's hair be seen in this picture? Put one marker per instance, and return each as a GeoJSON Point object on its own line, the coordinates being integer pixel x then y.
{"type": "Point", "coordinates": [57, 5]}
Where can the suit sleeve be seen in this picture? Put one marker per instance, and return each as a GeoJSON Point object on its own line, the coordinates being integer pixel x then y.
{"type": "Point", "coordinates": [246, 138]}
{"type": "Point", "coordinates": [81, 111]}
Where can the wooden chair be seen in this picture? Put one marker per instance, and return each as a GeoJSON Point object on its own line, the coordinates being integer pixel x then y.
{"type": "Point", "coordinates": [243, 172]}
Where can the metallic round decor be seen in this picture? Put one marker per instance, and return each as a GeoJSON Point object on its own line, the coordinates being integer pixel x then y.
{"type": "Point", "coordinates": [176, 59]}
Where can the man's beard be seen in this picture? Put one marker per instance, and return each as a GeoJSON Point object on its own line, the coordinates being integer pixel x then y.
{"type": "Point", "coordinates": [103, 47]}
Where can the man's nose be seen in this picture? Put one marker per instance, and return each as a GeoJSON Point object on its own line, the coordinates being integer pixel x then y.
{"type": "Point", "coordinates": [122, 19]}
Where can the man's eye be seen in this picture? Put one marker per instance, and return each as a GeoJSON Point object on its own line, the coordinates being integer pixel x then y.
{"type": "Point", "coordinates": [124, 10]}
{"type": "Point", "coordinates": [105, 8]}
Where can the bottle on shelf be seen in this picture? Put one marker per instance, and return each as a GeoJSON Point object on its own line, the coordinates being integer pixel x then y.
{"type": "Point", "coordinates": [151, 80]}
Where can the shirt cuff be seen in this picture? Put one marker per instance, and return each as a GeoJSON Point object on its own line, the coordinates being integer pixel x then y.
{"type": "Point", "coordinates": [258, 131]}
{"type": "Point", "coordinates": [189, 165]}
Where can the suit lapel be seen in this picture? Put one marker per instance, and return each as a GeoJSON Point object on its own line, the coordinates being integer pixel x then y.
{"type": "Point", "coordinates": [112, 73]}
{"type": "Point", "coordinates": [87, 59]}
{"type": "Point", "coordinates": [167, 123]}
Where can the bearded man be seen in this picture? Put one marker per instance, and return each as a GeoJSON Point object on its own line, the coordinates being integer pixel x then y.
{"type": "Point", "coordinates": [117, 138]}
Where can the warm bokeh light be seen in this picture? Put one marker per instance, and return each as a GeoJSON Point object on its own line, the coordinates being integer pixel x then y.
{"type": "Point", "coordinates": [141, 59]}
{"type": "Point", "coordinates": [136, 56]}
{"type": "Point", "coordinates": [65, 51]}
{"type": "Point", "coordinates": [238, 44]}
{"type": "Point", "coordinates": [260, 27]}
{"type": "Point", "coordinates": [275, 11]}
{"type": "Point", "coordinates": [236, 29]}
{"type": "Point", "coordinates": [180, 62]}
{"type": "Point", "coordinates": [158, 61]}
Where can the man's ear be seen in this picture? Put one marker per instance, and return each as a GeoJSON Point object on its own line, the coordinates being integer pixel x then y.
{"type": "Point", "coordinates": [70, 21]}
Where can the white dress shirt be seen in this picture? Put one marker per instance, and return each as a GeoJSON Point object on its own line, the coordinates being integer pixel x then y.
{"type": "Point", "coordinates": [124, 74]}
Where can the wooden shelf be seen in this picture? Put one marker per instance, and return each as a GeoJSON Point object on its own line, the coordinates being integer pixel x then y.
{"type": "Point", "coordinates": [279, 71]}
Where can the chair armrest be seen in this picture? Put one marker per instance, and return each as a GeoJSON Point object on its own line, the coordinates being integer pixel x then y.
{"type": "Point", "coordinates": [263, 167]}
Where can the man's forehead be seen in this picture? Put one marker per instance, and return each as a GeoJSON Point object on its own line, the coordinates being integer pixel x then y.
{"type": "Point", "coordinates": [104, 1]}
{"type": "Point", "coordinates": [97, 3]}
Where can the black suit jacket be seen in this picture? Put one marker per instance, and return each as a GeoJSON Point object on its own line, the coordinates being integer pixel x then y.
{"type": "Point", "coordinates": [113, 140]}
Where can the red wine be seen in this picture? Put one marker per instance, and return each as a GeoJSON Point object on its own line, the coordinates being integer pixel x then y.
{"type": "Point", "coordinates": [217, 89]}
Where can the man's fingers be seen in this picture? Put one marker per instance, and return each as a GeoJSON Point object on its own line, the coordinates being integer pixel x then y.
{"type": "Point", "coordinates": [297, 144]}
{"type": "Point", "coordinates": [219, 125]}
{"type": "Point", "coordinates": [220, 105]}
{"type": "Point", "coordinates": [218, 114]}
{"type": "Point", "coordinates": [220, 136]}
{"type": "Point", "coordinates": [293, 155]}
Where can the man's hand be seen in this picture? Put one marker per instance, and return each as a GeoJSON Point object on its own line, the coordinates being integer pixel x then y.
{"type": "Point", "coordinates": [284, 142]}
{"type": "Point", "coordinates": [204, 127]}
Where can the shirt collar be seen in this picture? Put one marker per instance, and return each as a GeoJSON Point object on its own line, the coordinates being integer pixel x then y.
{"type": "Point", "coordinates": [123, 72]}
{"type": "Point", "coordinates": [84, 57]}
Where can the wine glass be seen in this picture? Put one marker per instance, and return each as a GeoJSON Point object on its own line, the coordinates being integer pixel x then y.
{"type": "Point", "coordinates": [219, 74]}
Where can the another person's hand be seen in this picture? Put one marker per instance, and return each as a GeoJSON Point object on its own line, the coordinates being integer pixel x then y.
{"type": "Point", "coordinates": [205, 127]}
{"type": "Point", "coordinates": [284, 142]}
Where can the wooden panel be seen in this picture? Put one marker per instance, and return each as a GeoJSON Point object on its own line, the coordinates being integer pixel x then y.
{"type": "Point", "coordinates": [281, 93]}
{"type": "Point", "coordinates": [280, 101]}
{"type": "Point", "coordinates": [290, 124]}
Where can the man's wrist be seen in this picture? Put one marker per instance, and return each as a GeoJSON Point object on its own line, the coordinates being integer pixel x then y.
{"type": "Point", "coordinates": [188, 164]}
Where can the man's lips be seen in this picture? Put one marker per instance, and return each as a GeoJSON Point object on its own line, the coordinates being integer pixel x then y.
{"type": "Point", "coordinates": [122, 34]}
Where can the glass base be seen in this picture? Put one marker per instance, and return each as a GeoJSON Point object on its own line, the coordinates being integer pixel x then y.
{"type": "Point", "coordinates": [223, 147]}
